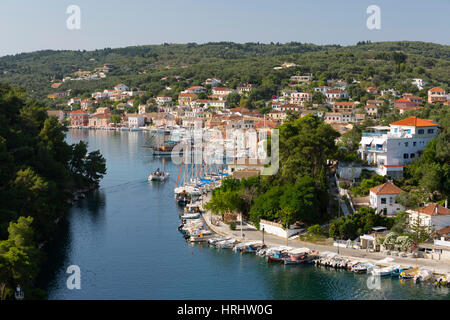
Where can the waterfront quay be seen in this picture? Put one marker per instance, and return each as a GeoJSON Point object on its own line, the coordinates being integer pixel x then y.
{"type": "Point", "coordinates": [250, 233]}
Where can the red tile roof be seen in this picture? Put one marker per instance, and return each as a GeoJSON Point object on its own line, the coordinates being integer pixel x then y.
{"type": "Point", "coordinates": [436, 89]}
{"type": "Point", "coordinates": [386, 188]}
{"type": "Point", "coordinates": [434, 209]}
{"type": "Point", "coordinates": [415, 122]}
{"type": "Point", "coordinates": [443, 231]}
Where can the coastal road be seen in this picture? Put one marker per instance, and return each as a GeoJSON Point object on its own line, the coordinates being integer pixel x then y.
{"type": "Point", "coordinates": [251, 234]}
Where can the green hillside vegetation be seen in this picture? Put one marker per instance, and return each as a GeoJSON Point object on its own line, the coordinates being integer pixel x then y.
{"type": "Point", "coordinates": [384, 65]}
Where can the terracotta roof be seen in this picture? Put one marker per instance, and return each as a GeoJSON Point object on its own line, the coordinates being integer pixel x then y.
{"type": "Point", "coordinates": [415, 122]}
{"type": "Point", "coordinates": [443, 231]}
{"type": "Point", "coordinates": [240, 109]}
{"type": "Point", "coordinates": [79, 111]}
{"type": "Point", "coordinates": [434, 209]}
{"type": "Point", "coordinates": [265, 124]}
{"type": "Point", "coordinates": [344, 103]}
{"type": "Point", "coordinates": [403, 100]}
{"type": "Point", "coordinates": [386, 188]}
{"type": "Point", "coordinates": [436, 89]}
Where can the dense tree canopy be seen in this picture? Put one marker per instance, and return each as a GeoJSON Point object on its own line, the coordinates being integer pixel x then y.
{"type": "Point", "coordinates": [39, 172]}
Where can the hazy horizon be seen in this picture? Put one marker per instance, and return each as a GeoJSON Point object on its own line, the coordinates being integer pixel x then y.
{"type": "Point", "coordinates": [29, 26]}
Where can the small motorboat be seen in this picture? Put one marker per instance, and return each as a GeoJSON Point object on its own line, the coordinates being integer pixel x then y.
{"type": "Point", "coordinates": [382, 272]}
{"type": "Point", "coordinates": [188, 216]}
{"type": "Point", "coordinates": [200, 235]}
{"type": "Point", "coordinates": [359, 268]}
{"type": "Point", "coordinates": [226, 244]}
{"type": "Point", "coordinates": [213, 241]}
{"type": "Point", "coordinates": [158, 175]}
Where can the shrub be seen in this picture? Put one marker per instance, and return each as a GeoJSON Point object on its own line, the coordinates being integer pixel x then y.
{"type": "Point", "coordinates": [232, 226]}
{"type": "Point", "coordinates": [316, 230]}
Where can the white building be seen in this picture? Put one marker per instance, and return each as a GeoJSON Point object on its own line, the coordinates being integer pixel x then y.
{"type": "Point", "coordinates": [222, 91]}
{"type": "Point", "coordinates": [389, 149]}
{"type": "Point", "coordinates": [212, 82]}
{"type": "Point", "coordinates": [382, 199]}
{"type": "Point", "coordinates": [163, 100]}
{"type": "Point", "coordinates": [300, 98]}
{"type": "Point", "coordinates": [121, 87]}
{"type": "Point", "coordinates": [434, 216]}
{"type": "Point", "coordinates": [135, 120]}
{"type": "Point", "coordinates": [335, 94]}
{"type": "Point", "coordinates": [419, 83]}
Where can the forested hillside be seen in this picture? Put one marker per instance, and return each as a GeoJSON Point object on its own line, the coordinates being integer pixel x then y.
{"type": "Point", "coordinates": [384, 64]}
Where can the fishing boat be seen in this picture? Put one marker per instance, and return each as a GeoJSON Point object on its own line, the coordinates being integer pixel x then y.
{"type": "Point", "coordinates": [187, 193]}
{"type": "Point", "coordinates": [297, 256]}
{"type": "Point", "coordinates": [158, 175]}
{"type": "Point", "coordinates": [359, 268]}
{"type": "Point", "coordinates": [276, 254]}
{"type": "Point", "coordinates": [398, 270]}
{"type": "Point", "coordinates": [200, 235]}
{"type": "Point", "coordinates": [409, 274]}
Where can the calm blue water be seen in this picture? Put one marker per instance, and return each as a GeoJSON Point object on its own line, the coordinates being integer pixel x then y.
{"type": "Point", "coordinates": [124, 238]}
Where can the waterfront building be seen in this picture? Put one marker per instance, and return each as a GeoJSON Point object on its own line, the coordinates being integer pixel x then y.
{"type": "Point", "coordinates": [135, 120]}
{"type": "Point", "coordinates": [382, 199]}
{"type": "Point", "coordinates": [79, 118]}
{"type": "Point", "coordinates": [388, 149]}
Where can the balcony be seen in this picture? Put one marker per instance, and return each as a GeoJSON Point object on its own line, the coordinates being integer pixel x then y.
{"type": "Point", "coordinates": [376, 149]}
{"type": "Point", "coordinates": [373, 134]}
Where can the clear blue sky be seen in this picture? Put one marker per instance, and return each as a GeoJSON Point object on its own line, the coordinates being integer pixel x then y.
{"type": "Point", "coordinates": [29, 25]}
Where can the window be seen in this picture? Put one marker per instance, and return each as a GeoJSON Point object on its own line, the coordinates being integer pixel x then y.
{"type": "Point", "coordinates": [430, 130]}
{"type": "Point", "coordinates": [411, 155]}
{"type": "Point", "coordinates": [395, 130]}
{"type": "Point", "coordinates": [391, 200]}
{"type": "Point", "coordinates": [383, 200]}
{"type": "Point", "coordinates": [409, 130]}
{"type": "Point", "coordinates": [414, 143]}
{"type": "Point", "coordinates": [405, 156]}
{"type": "Point", "coordinates": [421, 131]}
{"type": "Point", "coordinates": [406, 144]}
